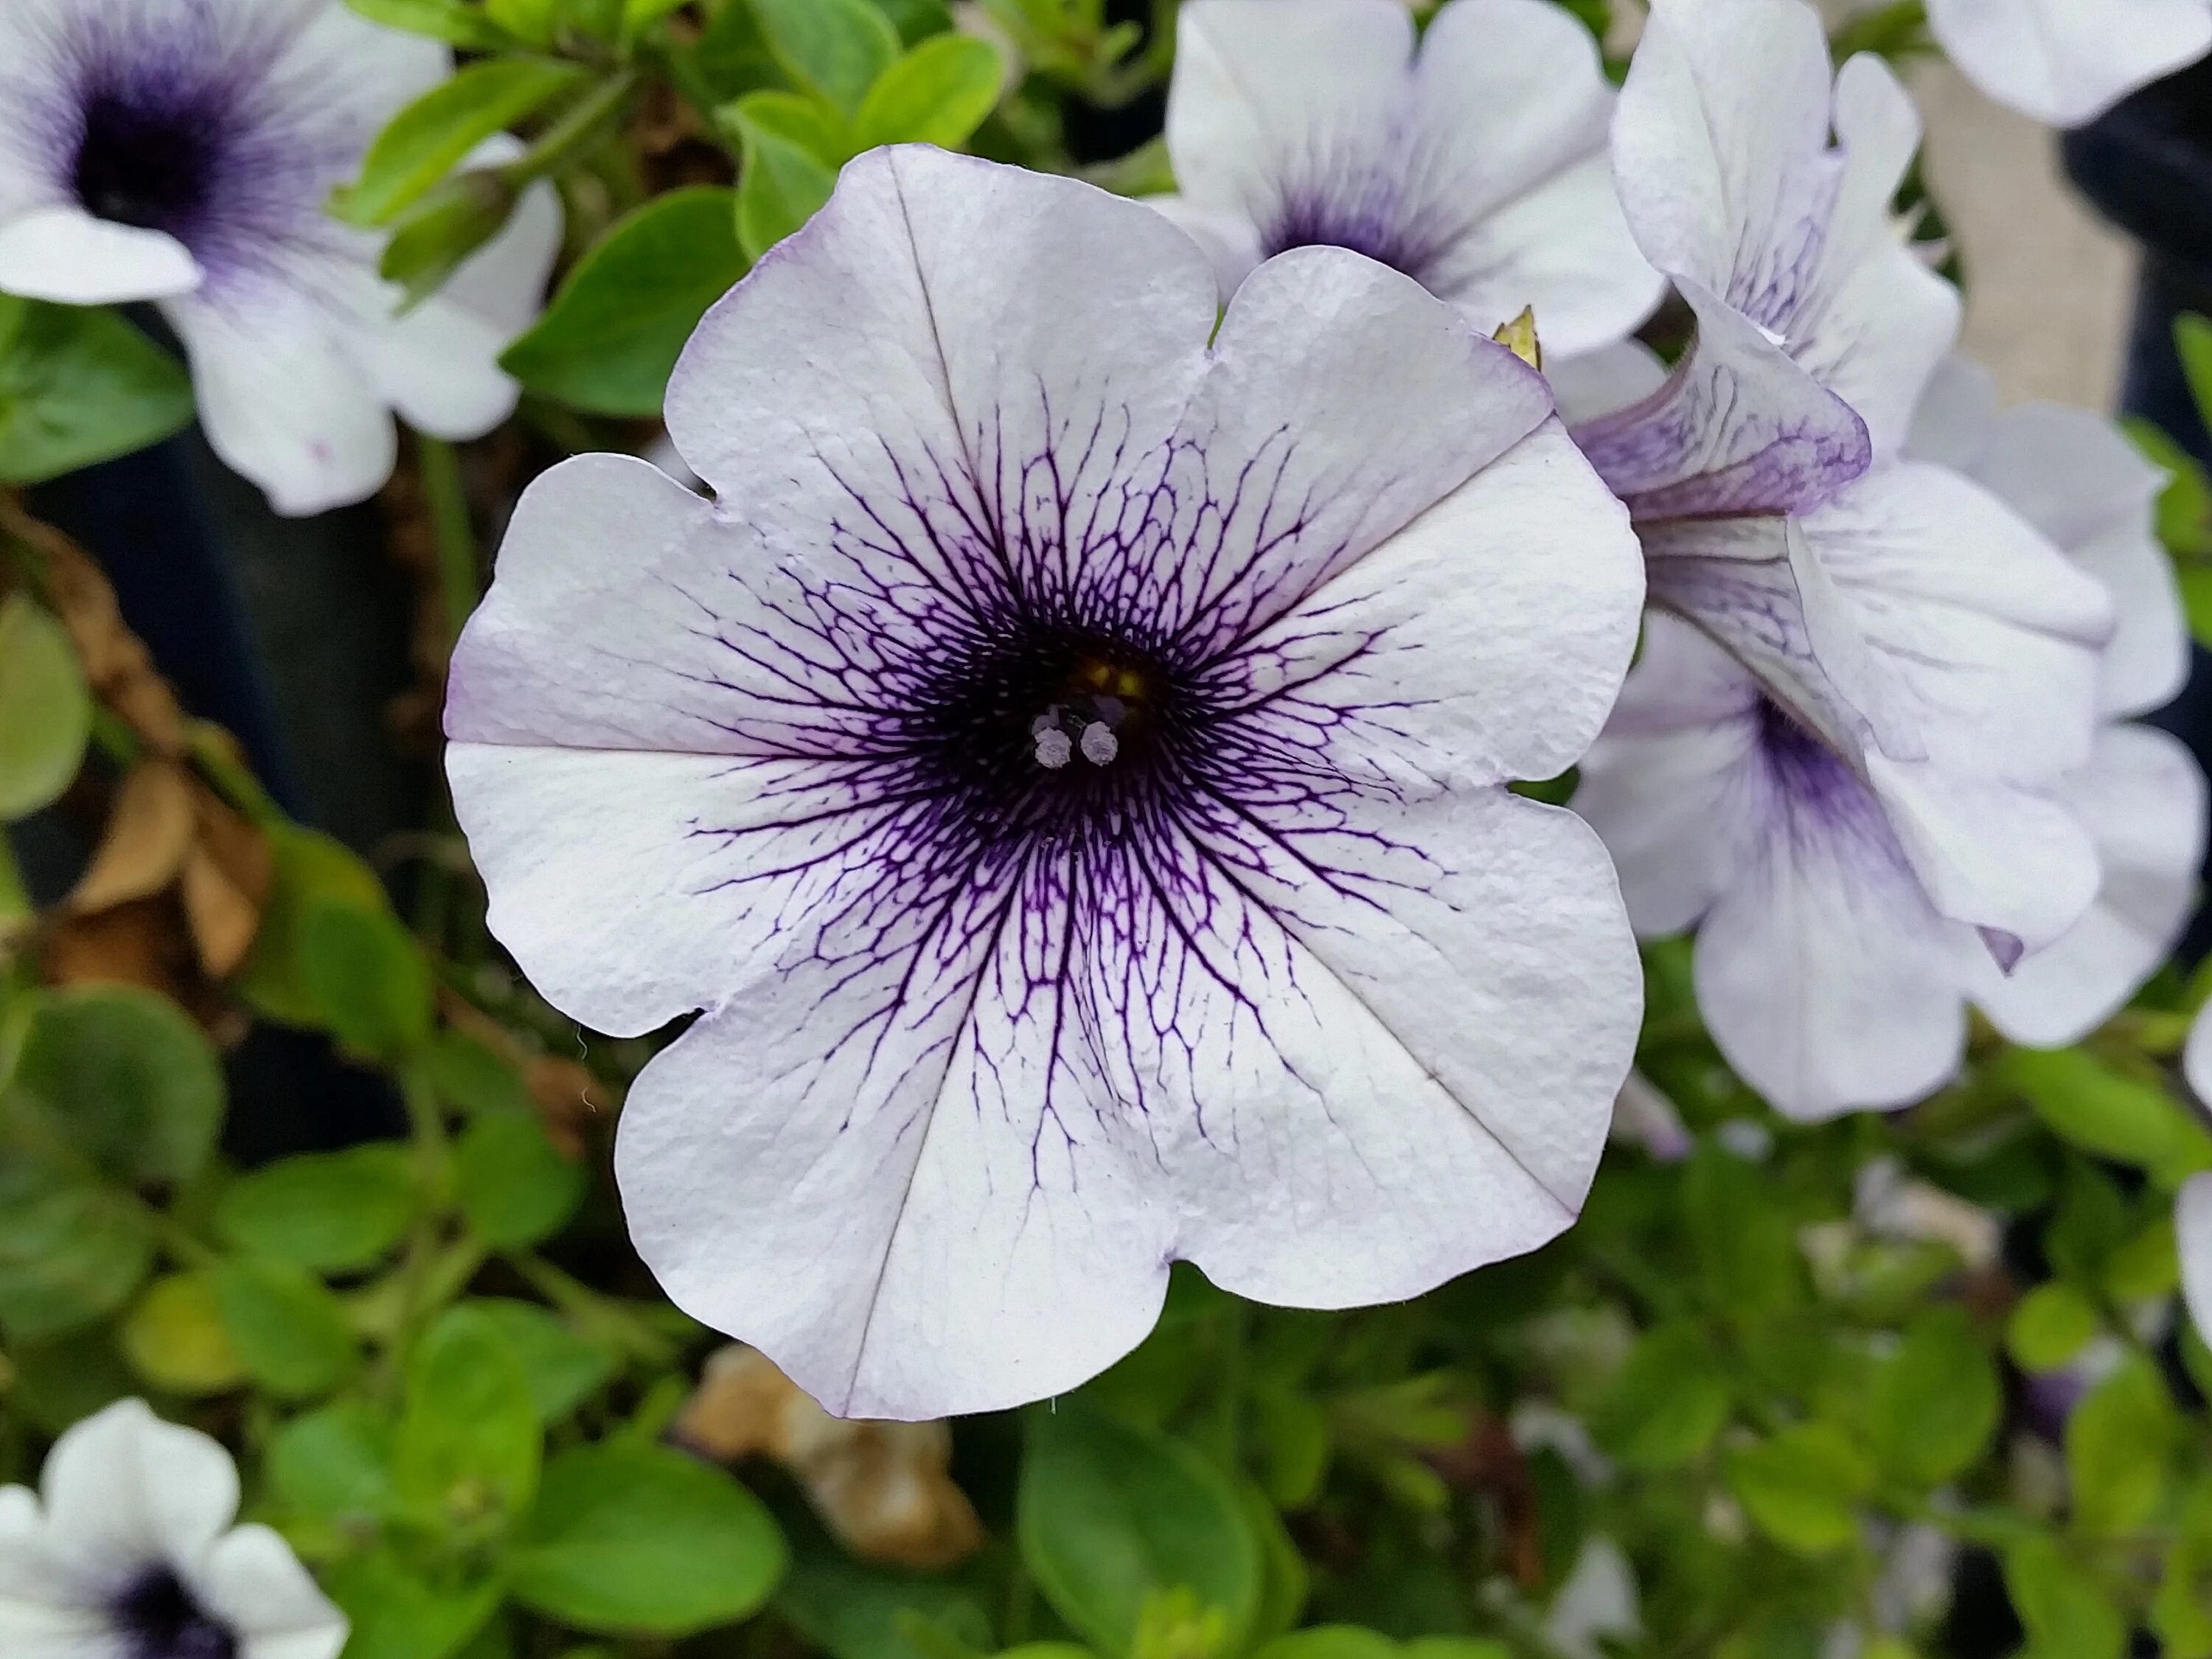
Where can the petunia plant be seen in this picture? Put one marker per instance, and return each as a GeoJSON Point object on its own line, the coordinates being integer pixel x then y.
{"type": "Point", "coordinates": [1251, 830]}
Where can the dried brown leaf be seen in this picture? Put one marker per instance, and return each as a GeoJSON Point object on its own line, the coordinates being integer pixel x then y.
{"type": "Point", "coordinates": [148, 837]}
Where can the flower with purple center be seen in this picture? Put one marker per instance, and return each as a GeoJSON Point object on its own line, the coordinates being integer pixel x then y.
{"type": "Point", "coordinates": [181, 152]}
{"type": "Point", "coordinates": [128, 1551]}
{"type": "Point", "coordinates": [1475, 163]}
{"type": "Point", "coordinates": [2066, 61]}
{"type": "Point", "coordinates": [1065, 769]}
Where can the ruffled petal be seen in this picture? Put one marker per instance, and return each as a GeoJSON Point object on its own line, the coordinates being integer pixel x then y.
{"type": "Point", "coordinates": [253, 1582]}
{"type": "Point", "coordinates": [1374, 676]}
{"type": "Point", "coordinates": [2142, 800]}
{"type": "Point", "coordinates": [1229, 239]}
{"type": "Point", "coordinates": [64, 254]}
{"type": "Point", "coordinates": [125, 1491]}
{"type": "Point", "coordinates": [1600, 383]}
{"type": "Point", "coordinates": [2065, 61]}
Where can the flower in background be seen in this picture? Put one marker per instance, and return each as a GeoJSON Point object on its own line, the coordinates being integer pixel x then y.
{"type": "Point", "coordinates": [2075, 478]}
{"type": "Point", "coordinates": [2193, 1208]}
{"type": "Point", "coordinates": [128, 1549]}
{"type": "Point", "coordinates": [1067, 765]}
{"type": "Point", "coordinates": [1475, 163]}
{"type": "Point", "coordinates": [2066, 61]}
{"type": "Point", "coordinates": [182, 151]}
{"type": "Point", "coordinates": [1867, 677]}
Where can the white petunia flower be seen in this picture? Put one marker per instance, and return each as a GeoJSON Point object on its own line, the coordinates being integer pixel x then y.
{"type": "Point", "coordinates": [182, 151]}
{"type": "Point", "coordinates": [128, 1551]}
{"type": "Point", "coordinates": [1869, 676]}
{"type": "Point", "coordinates": [2075, 475]}
{"type": "Point", "coordinates": [1475, 162]}
{"type": "Point", "coordinates": [2066, 61]}
{"type": "Point", "coordinates": [1285, 982]}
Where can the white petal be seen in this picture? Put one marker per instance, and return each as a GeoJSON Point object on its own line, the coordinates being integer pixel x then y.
{"type": "Point", "coordinates": [64, 254]}
{"type": "Point", "coordinates": [1957, 416]}
{"type": "Point", "coordinates": [1721, 145]}
{"type": "Point", "coordinates": [1377, 674]}
{"type": "Point", "coordinates": [1562, 250]}
{"type": "Point", "coordinates": [2065, 61]}
{"type": "Point", "coordinates": [1277, 102]}
{"type": "Point", "coordinates": [1825, 977]}
{"type": "Point", "coordinates": [41, 1602]}
{"type": "Point", "coordinates": [282, 402]}
{"type": "Point", "coordinates": [2143, 799]}
{"type": "Point", "coordinates": [253, 1582]}
{"type": "Point", "coordinates": [125, 1491]}
{"type": "Point", "coordinates": [1600, 383]}
{"type": "Point", "coordinates": [1738, 428]}
{"type": "Point", "coordinates": [1876, 321]}
{"type": "Point", "coordinates": [340, 75]}
{"type": "Point", "coordinates": [1988, 637]}
{"type": "Point", "coordinates": [1227, 238]}
{"type": "Point", "coordinates": [1667, 785]}
{"type": "Point", "coordinates": [2197, 1060]}
{"type": "Point", "coordinates": [2192, 1227]}
{"type": "Point", "coordinates": [873, 366]}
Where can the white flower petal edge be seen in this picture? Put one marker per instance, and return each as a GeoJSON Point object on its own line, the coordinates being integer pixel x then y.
{"type": "Point", "coordinates": [2066, 61]}
{"type": "Point", "coordinates": [1721, 147]}
{"type": "Point", "coordinates": [130, 1504]}
{"type": "Point", "coordinates": [2192, 1227]}
{"type": "Point", "coordinates": [960, 1093]}
{"type": "Point", "coordinates": [182, 156]}
{"type": "Point", "coordinates": [1475, 163]}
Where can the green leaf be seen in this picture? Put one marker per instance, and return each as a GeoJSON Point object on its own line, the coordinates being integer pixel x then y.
{"type": "Point", "coordinates": [309, 867]}
{"type": "Point", "coordinates": [2051, 1324]}
{"type": "Point", "coordinates": [1747, 1245]}
{"type": "Point", "coordinates": [2065, 1611]}
{"type": "Point", "coordinates": [1667, 1401]}
{"type": "Point", "coordinates": [468, 1441]}
{"type": "Point", "coordinates": [2184, 514]}
{"type": "Point", "coordinates": [62, 1382]}
{"type": "Point", "coordinates": [468, 1074]}
{"type": "Point", "coordinates": [786, 180]}
{"type": "Point", "coordinates": [2118, 1443]}
{"type": "Point", "coordinates": [331, 1212]}
{"type": "Point", "coordinates": [2096, 1109]}
{"type": "Point", "coordinates": [563, 1370]}
{"type": "Point", "coordinates": [335, 1462]}
{"type": "Point", "coordinates": [938, 93]}
{"type": "Point", "coordinates": [174, 1338]}
{"type": "Point", "coordinates": [2192, 338]}
{"type": "Point", "coordinates": [1803, 1487]}
{"type": "Point", "coordinates": [2181, 1614]}
{"type": "Point", "coordinates": [837, 47]}
{"type": "Point", "coordinates": [631, 1539]}
{"type": "Point", "coordinates": [607, 343]}
{"type": "Point", "coordinates": [455, 22]}
{"type": "Point", "coordinates": [1330, 1642]}
{"type": "Point", "coordinates": [79, 385]}
{"type": "Point", "coordinates": [916, 20]}
{"type": "Point", "coordinates": [290, 1331]}
{"type": "Point", "coordinates": [46, 708]}
{"type": "Point", "coordinates": [453, 222]}
{"type": "Point", "coordinates": [1284, 1579]}
{"type": "Point", "coordinates": [531, 22]}
{"type": "Point", "coordinates": [126, 1077]}
{"type": "Point", "coordinates": [1936, 1401]}
{"type": "Point", "coordinates": [70, 1252]}
{"type": "Point", "coordinates": [369, 978]}
{"type": "Point", "coordinates": [397, 1613]}
{"type": "Point", "coordinates": [1111, 1516]}
{"type": "Point", "coordinates": [514, 1187]}
{"type": "Point", "coordinates": [432, 136]}
{"type": "Point", "coordinates": [860, 1612]}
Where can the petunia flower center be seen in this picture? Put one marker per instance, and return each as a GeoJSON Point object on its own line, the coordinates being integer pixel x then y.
{"type": "Point", "coordinates": [144, 164]}
{"type": "Point", "coordinates": [158, 1619]}
{"type": "Point", "coordinates": [1368, 221]}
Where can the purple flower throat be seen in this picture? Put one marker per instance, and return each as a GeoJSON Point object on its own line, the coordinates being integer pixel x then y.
{"type": "Point", "coordinates": [158, 1619]}
{"type": "Point", "coordinates": [148, 164]}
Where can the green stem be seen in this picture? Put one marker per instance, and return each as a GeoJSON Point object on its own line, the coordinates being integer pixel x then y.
{"type": "Point", "coordinates": [460, 579]}
{"type": "Point", "coordinates": [573, 132]}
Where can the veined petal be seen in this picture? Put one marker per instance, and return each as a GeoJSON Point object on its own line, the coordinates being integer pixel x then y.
{"type": "Point", "coordinates": [1277, 103]}
{"type": "Point", "coordinates": [124, 1491]}
{"type": "Point", "coordinates": [64, 254]}
{"type": "Point", "coordinates": [2065, 61]}
{"type": "Point", "coordinates": [2142, 800]}
{"type": "Point", "coordinates": [1370, 675]}
{"type": "Point", "coordinates": [253, 1582]}
{"type": "Point", "coordinates": [1737, 428]}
